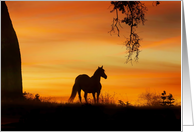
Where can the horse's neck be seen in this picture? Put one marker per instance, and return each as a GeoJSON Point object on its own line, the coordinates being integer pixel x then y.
{"type": "Point", "coordinates": [96, 77]}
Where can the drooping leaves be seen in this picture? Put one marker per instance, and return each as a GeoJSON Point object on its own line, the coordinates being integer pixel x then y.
{"type": "Point", "coordinates": [134, 12]}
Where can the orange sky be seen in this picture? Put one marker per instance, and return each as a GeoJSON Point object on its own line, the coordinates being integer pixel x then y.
{"type": "Point", "coordinates": [60, 40]}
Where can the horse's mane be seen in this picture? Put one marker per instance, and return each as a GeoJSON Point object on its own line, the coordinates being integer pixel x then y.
{"type": "Point", "coordinates": [96, 72]}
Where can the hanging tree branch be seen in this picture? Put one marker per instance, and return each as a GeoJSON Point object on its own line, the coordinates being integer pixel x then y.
{"type": "Point", "coordinates": [134, 12]}
{"type": "Point", "coordinates": [115, 22]}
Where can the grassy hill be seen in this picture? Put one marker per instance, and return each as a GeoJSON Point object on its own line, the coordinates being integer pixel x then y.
{"type": "Point", "coordinates": [34, 115]}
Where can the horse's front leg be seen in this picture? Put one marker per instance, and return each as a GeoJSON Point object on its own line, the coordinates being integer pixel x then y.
{"type": "Point", "coordinates": [85, 96]}
{"type": "Point", "coordinates": [94, 97]}
{"type": "Point", "coordinates": [79, 93]}
{"type": "Point", "coordinates": [98, 93]}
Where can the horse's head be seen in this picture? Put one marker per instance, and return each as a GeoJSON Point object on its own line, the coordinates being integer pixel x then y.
{"type": "Point", "coordinates": [101, 72]}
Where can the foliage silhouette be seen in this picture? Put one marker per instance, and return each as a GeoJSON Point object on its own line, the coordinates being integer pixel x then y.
{"type": "Point", "coordinates": [88, 85]}
{"type": "Point", "coordinates": [37, 97]}
{"type": "Point", "coordinates": [134, 12]}
{"type": "Point", "coordinates": [106, 99]}
{"type": "Point", "coordinates": [150, 98]}
{"type": "Point", "coordinates": [163, 98]}
{"type": "Point", "coordinates": [169, 99]}
{"type": "Point", "coordinates": [154, 99]}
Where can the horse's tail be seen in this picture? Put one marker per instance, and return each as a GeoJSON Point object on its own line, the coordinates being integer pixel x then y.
{"type": "Point", "coordinates": [73, 93]}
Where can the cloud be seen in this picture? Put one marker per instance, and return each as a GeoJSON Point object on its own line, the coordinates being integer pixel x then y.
{"type": "Point", "coordinates": [164, 44]}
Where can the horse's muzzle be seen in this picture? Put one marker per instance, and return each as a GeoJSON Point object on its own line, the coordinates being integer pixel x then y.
{"type": "Point", "coordinates": [105, 77]}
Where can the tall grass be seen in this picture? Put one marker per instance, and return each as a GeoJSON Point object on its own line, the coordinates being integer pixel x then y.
{"type": "Point", "coordinates": [146, 98]}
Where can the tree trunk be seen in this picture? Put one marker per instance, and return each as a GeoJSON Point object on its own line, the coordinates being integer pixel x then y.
{"type": "Point", "coordinates": [11, 77]}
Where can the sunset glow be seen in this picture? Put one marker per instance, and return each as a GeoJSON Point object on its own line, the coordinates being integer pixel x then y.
{"type": "Point", "coordinates": [61, 39]}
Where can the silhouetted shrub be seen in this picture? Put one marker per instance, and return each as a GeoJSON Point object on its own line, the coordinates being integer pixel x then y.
{"type": "Point", "coordinates": [163, 98]}
{"type": "Point", "coordinates": [122, 103]}
{"type": "Point", "coordinates": [167, 100]}
{"type": "Point", "coordinates": [37, 97]}
{"type": "Point", "coordinates": [106, 99]}
{"type": "Point", "coordinates": [30, 96]}
{"type": "Point", "coordinates": [148, 98]}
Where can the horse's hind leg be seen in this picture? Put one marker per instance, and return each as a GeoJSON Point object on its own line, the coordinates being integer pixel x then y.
{"type": "Point", "coordinates": [94, 97]}
{"type": "Point", "coordinates": [79, 93]}
{"type": "Point", "coordinates": [85, 96]}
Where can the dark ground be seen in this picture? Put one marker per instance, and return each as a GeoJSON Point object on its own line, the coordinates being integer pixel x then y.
{"type": "Point", "coordinates": [37, 116]}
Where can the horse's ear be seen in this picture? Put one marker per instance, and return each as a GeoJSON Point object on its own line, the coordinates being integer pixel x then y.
{"type": "Point", "coordinates": [102, 67]}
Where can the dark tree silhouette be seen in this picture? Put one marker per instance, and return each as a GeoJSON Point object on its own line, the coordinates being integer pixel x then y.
{"type": "Point", "coordinates": [134, 12]}
{"type": "Point", "coordinates": [170, 98]}
{"type": "Point", "coordinates": [37, 97]}
{"type": "Point", "coordinates": [11, 77]}
{"type": "Point", "coordinates": [163, 98]}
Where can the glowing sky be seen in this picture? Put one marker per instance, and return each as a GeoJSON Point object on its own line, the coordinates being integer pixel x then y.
{"type": "Point", "coordinates": [60, 40]}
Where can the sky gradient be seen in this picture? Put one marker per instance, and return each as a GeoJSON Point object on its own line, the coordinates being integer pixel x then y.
{"type": "Point", "coordinates": [60, 40]}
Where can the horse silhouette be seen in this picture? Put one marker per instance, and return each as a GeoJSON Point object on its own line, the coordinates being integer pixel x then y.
{"type": "Point", "coordinates": [88, 85]}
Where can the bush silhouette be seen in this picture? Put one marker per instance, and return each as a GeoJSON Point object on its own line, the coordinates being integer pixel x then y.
{"type": "Point", "coordinates": [150, 99]}
{"type": "Point", "coordinates": [37, 97]}
{"type": "Point", "coordinates": [163, 98]}
{"type": "Point", "coordinates": [155, 99]}
{"type": "Point", "coordinates": [167, 100]}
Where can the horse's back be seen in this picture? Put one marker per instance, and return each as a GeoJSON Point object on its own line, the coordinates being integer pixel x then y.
{"type": "Point", "coordinates": [82, 77]}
